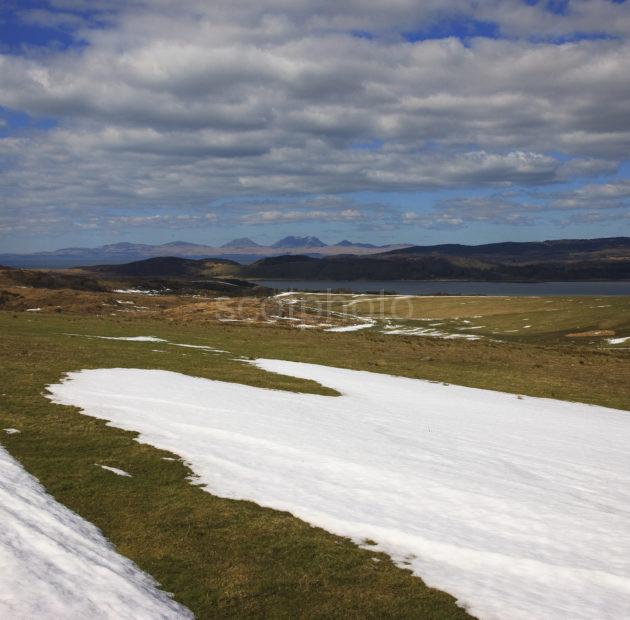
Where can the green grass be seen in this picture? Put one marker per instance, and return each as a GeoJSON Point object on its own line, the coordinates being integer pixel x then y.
{"type": "Point", "coordinates": [226, 558]}
{"type": "Point", "coordinates": [221, 558]}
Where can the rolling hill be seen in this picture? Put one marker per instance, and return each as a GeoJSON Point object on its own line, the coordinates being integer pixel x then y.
{"type": "Point", "coordinates": [564, 259]}
{"type": "Point", "coordinates": [582, 259]}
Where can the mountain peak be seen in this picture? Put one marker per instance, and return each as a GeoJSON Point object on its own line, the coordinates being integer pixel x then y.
{"type": "Point", "coordinates": [347, 244]}
{"type": "Point", "coordinates": [123, 246]}
{"type": "Point", "coordinates": [179, 244]}
{"type": "Point", "coordinates": [299, 242]}
{"type": "Point", "coordinates": [241, 242]}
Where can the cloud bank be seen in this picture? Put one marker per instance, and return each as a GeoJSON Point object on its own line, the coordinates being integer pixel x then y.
{"type": "Point", "coordinates": [165, 108]}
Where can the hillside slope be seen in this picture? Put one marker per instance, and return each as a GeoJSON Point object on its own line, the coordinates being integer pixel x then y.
{"type": "Point", "coordinates": [588, 259]}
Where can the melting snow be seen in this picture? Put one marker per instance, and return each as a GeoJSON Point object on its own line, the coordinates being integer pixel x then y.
{"type": "Point", "coordinates": [53, 564]}
{"type": "Point", "coordinates": [518, 507]}
{"type": "Point", "coordinates": [197, 346]}
{"type": "Point", "coordinates": [153, 339]}
{"type": "Point", "coordinates": [139, 291]}
{"type": "Point", "coordinates": [114, 470]}
{"type": "Point", "coordinates": [129, 338]}
{"type": "Point", "coordinates": [397, 330]}
{"type": "Point", "coordinates": [350, 328]}
{"type": "Point", "coordinates": [617, 340]}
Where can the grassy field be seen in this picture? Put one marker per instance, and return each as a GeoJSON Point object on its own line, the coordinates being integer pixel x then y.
{"type": "Point", "coordinates": [225, 558]}
{"type": "Point", "coordinates": [542, 320]}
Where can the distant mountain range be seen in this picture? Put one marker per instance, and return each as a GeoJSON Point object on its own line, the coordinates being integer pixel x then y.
{"type": "Point", "coordinates": [565, 259]}
{"type": "Point", "coordinates": [242, 250]}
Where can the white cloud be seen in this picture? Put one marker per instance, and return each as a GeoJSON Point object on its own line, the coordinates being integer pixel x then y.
{"type": "Point", "coordinates": [174, 105]}
{"type": "Point", "coordinates": [603, 196]}
{"type": "Point", "coordinates": [457, 212]}
{"type": "Point", "coordinates": [278, 216]}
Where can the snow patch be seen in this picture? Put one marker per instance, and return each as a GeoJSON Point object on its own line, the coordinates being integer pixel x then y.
{"type": "Point", "coordinates": [11, 431]}
{"type": "Point", "coordinates": [518, 507]}
{"type": "Point", "coordinates": [139, 291]}
{"type": "Point", "coordinates": [196, 346]}
{"type": "Point", "coordinates": [128, 338]}
{"type": "Point", "coordinates": [114, 470]}
{"type": "Point", "coordinates": [351, 328]}
{"type": "Point", "coordinates": [617, 340]}
{"type": "Point", "coordinates": [54, 564]}
{"type": "Point", "coordinates": [153, 339]}
{"type": "Point", "coordinates": [397, 330]}
{"type": "Point", "coordinates": [132, 338]}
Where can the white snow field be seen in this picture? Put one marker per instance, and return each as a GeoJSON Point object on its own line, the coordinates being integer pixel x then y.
{"type": "Point", "coordinates": [55, 565]}
{"type": "Point", "coordinates": [519, 507]}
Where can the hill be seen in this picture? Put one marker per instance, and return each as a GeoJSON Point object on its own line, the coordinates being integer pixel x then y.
{"type": "Point", "coordinates": [299, 242]}
{"type": "Point", "coordinates": [169, 266]}
{"type": "Point", "coordinates": [560, 249]}
{"type": "Point", "coordinates": [25, 278]}
{"type": "Point", "coordinates": [562, 259]}
{"type": "Point", "coordinates": [349, 244]}
{"type": "Point", "coordinates": [180, 275]}
{"type": "Point", "coordinates": [589, 259]}
{"type": "Point", "coordinates": [241, 242]}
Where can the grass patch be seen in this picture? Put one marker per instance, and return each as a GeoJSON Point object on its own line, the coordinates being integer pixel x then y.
{"type": "Point", "coordinates": [538, 320]}
{"type": "Point", "coordinates": [226, 558]}
{"type": "Point", "coordinates": [221, 558]}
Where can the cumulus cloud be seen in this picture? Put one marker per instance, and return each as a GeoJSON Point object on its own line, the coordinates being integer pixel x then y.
{"type": "Point", "coordinates": [277, 216]}
{"type": "Point", "coordinates": [456, 212]}
{"type": "Point", "coordinates": [89, 219]}
{"type": "Point", "coordinates": [598, 217]}
{"type": "Point", "coordinates": [324, 209]}
{"type": "Point", "coordinates": [174, 105]}
{"type": "Point", "coordinates": [602, 196]}
{"type": "Point", "coordinates": [170, 221]}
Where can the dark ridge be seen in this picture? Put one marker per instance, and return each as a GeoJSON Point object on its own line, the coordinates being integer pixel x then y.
{"type": "Point", "coordinates": [162, 266]}
{"type": "Point", "coordinates": [347, 244]}
{"type": "Point", "coordinates": [284, 259]}
{"type": "Point", "coordinates": [52, 279]}
{"type": "Point", "coordinates": [179, 244]}
{"type": "Point", "coordinates": [521, 249]}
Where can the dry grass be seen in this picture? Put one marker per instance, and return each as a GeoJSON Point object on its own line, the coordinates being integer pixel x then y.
{"type": "Point", "coordinates": [226, 558]}
{"type": "Point", "coordinates": [221, 558]}
{"type": "Point", "coordinates": [548, 320]}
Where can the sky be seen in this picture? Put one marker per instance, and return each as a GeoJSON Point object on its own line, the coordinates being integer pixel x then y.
{"type": "Point", "coordinates": [403, 121]}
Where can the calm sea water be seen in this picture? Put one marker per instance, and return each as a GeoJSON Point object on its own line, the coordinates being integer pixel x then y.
{"type": "Point", "coordinates": [420, 287]}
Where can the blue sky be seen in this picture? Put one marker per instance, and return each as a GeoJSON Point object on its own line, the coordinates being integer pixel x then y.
{"type": "Point", "coordinates": [423, 122]}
